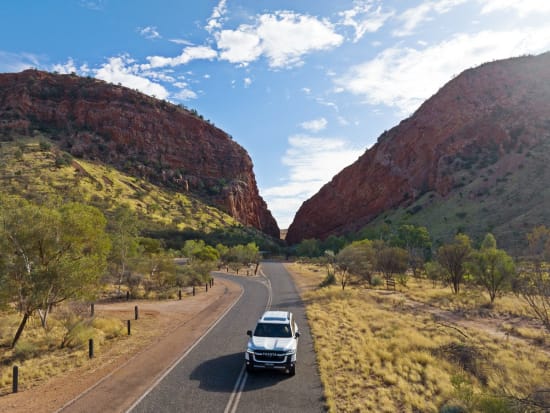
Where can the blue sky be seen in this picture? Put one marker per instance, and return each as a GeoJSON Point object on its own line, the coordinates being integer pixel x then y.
{"type": "Point", "coordinates": [305, 86]}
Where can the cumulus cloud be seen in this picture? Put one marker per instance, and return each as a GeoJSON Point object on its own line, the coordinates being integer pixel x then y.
{"type": "Point", "coordinates": [364, 17]}
{"type": "Point", "coordinates": [240, 46]}
{"type": "Point", "coordinates": [247, 82]}
{"type": "Point", "coordinates": [414, 16]}
{"type": "Point", "coordinates": [404, 77]}
{"type": "Point", "coordinates": [121, 70]}
{"type": "Point", "coordinates": [312, 162]}
{"type": "Point", "coordinates": [283, 37]}
{"type": "Point", "coordinates": [187, 55]}
{"type": "Point", "coordinates": [70, 67]}
{"type": "Point", "coordinates": [315, 125]}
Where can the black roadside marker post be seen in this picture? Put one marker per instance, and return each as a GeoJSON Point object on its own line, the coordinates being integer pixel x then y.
{"type": "Point", "coordinates": [206, 287]}
{"type": "Point", "coordinates": [179, 294]}
{"type": "Point", "coordinates": [91, 348]}
{"type": "Point", "coordinates": [193, 291]}
{"type": "Point", "coordinates": [136, 312]}
{"type": "Point", "coordinates": [15, 382]}
{"type": "Point", "coordinates": [92, 309]}
{"type": "Point", "coordinates": [129, 328]}
{"type": "Point", "coordinates": [127, 295]}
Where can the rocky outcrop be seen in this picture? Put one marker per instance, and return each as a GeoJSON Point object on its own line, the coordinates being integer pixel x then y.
{"type": "Point", "coordinates": [488, 116]}
{"type": "Point", "coordinates": [140, 135]}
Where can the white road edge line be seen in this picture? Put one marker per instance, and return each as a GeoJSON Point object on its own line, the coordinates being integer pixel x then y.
{"type": "Point", "coordinates": [173, 366]}
{"type": "Point", "coordinates": [243, 375]}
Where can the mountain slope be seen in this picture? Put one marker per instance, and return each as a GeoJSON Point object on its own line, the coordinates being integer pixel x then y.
{"type": "Point", "coordinates": [38, 171]}
{"type": "Point", "coordinates": [474, 157]}
{"type": "Point", "coordinates": [139, 135]}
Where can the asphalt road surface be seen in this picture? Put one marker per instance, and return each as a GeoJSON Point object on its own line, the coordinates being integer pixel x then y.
{"type": "Point", "coordinates": [212, 378]}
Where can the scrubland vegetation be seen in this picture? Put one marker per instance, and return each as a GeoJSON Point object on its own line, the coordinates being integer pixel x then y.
{"type": "Point", "coordinates": [464, 329]}
{"type": "Point", "coordinates": [73, 233]}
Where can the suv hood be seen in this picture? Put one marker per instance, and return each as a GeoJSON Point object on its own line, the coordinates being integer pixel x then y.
{"type": "Point", "coordinates": [272, 343]}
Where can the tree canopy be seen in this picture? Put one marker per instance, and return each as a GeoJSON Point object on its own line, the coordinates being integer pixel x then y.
{"type": "Point", "coordinates": [49, 254]}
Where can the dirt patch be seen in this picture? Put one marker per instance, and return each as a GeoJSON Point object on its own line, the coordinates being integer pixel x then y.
{"type": "Point", "coordinates": [113, 380]}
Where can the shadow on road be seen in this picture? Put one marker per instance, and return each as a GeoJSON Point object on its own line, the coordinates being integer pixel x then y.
{"type": "Point", "coordinates": [220, 375]}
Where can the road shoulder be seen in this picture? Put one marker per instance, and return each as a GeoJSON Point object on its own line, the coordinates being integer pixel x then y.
{"type": "Point", "coordinates": [113, 384]}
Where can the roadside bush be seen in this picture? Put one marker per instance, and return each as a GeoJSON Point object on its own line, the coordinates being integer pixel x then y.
{"type": "Point", "coordinates": [377, 281]}
{"type": "Point", "coordinates": [25, 350]}
{"type": "Point", "coordinates": [330, 279]}
{"type": "Point", "coordinates": [78, 332]}
{"type": "Point", "coordinates": [111, 327]}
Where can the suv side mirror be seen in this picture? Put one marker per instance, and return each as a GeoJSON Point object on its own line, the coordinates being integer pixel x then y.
{"type": "Point", "coordinates": [249, 333]}
{"type": "Point", "coordinates": [297, 334]}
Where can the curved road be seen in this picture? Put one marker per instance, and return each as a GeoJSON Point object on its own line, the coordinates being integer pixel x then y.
{"type": "Point", "coordinates": [211, 378]}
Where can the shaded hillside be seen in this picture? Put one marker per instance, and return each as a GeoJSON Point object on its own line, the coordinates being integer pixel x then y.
{"type": "Point", "coordinates": [142, 136]}
{"type": "Point", "coordinates": [36, 170]}
{"type": "Point", "coordinates": [473, 158]}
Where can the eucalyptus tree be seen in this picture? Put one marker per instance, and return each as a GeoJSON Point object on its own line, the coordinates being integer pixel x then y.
{"type": "Point", "coordinates": [49, 254]}
{"type": "Point", "coordinates": [453, 258]}
{"type": "Point", "coordinates": [492, 268]}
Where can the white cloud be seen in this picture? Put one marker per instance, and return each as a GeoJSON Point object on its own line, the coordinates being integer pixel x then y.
{"type": "Point", "coordinates": [283, 37]}
{"type": "Point", "coordinates": [149, 32]}
{"type": "Point", "coordinates": [185, 94]}
{"type": "Point", "coordinates": [187, 55]}
{"type": "Point", "coordinates": [364, 18]}
{"type": "Point", "coordinates": [239, 46]}
{"type": "Point", "coordinates": [414, 16]}
{"type": "Point", "coordinates": [404, 77]}
{"type": "Point", "coordinates": [181, 41]}
{"type": "Point", "coordinates": [66, 68]}
{"type": "Point", "coordinates": [312, 162]}
{"type": "Point", "coordinates": [120, 70]}
{"type": "Point", "coordinates": [247, 82]}
{"type": "Point", "coordinates": [315, 125]}
{"type": "Point", "coordinates": [214, 22]}
{"type": "Point", "coordinates": [522, 7]}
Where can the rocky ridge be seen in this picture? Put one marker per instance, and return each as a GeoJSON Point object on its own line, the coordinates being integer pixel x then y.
{"type": "Point", "coordinates": [137, 134]}
{"type": "Point", "coordinates": [488, 123]}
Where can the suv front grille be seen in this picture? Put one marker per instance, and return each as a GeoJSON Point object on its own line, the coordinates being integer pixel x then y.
{"type": "Point", "coordinates": [270, 356]}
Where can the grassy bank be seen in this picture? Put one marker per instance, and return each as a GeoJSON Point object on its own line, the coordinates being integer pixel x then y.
{"type": "Point", "coordinates": [377, 354]}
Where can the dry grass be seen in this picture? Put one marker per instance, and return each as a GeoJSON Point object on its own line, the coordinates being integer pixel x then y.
{"type": "Point", "coordinates": [39, 353]}
{"type": "Point", "coordinates": [374, 354]}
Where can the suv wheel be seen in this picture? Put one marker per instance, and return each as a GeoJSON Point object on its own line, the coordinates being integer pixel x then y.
{"type": "Point", "coordinates": [249, 369]}
{"type": "Point", "coordinates": [292, 371]}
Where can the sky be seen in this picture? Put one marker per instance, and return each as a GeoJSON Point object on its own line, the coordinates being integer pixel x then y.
{"type": "Point", "coordinates": [305, 86]}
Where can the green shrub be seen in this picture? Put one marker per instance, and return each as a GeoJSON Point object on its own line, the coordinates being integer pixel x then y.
{"type": "Point", "coordinates": [78, 333]}
{"type": "Point", "coordinates": [376, 281]}
{"type": "Point", "coordinates": [490, 404]}
{"type": "Point", "coordinates": [330, 279]}
{"type": "Point", "coordinates": [111, 327]}
{"type": "Point", "coordinates": [25, 350]}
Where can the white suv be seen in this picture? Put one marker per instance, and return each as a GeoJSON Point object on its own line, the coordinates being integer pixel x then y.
{"type": "Point", "coordinates": [273, 343]}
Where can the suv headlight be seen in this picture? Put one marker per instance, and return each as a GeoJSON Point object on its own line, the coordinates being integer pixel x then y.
{"type": "Point", "coordinates": [290, 352]}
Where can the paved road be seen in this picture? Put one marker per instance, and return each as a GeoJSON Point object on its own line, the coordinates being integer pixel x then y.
{"type": "Point", "coordinates": [211, 378]}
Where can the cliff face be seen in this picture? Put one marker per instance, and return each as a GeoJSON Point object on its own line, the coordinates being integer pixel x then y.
{"type": "Point", "coordinates": [137, 134]}
{"type": "Point", "coordinates": [484, 123]}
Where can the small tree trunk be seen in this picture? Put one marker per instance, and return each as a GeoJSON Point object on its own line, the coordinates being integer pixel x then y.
{"type": "Point", "coordinates": [20, 329]}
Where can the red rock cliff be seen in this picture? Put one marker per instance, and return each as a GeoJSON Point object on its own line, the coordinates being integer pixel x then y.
{"type": "Point", "coordinates": [140, 135]}
{"type": "Point", "coordinates": [485, 112]}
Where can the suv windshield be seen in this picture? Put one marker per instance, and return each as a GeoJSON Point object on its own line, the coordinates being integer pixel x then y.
{"type": "Point", "coordinates": [272, 330]}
